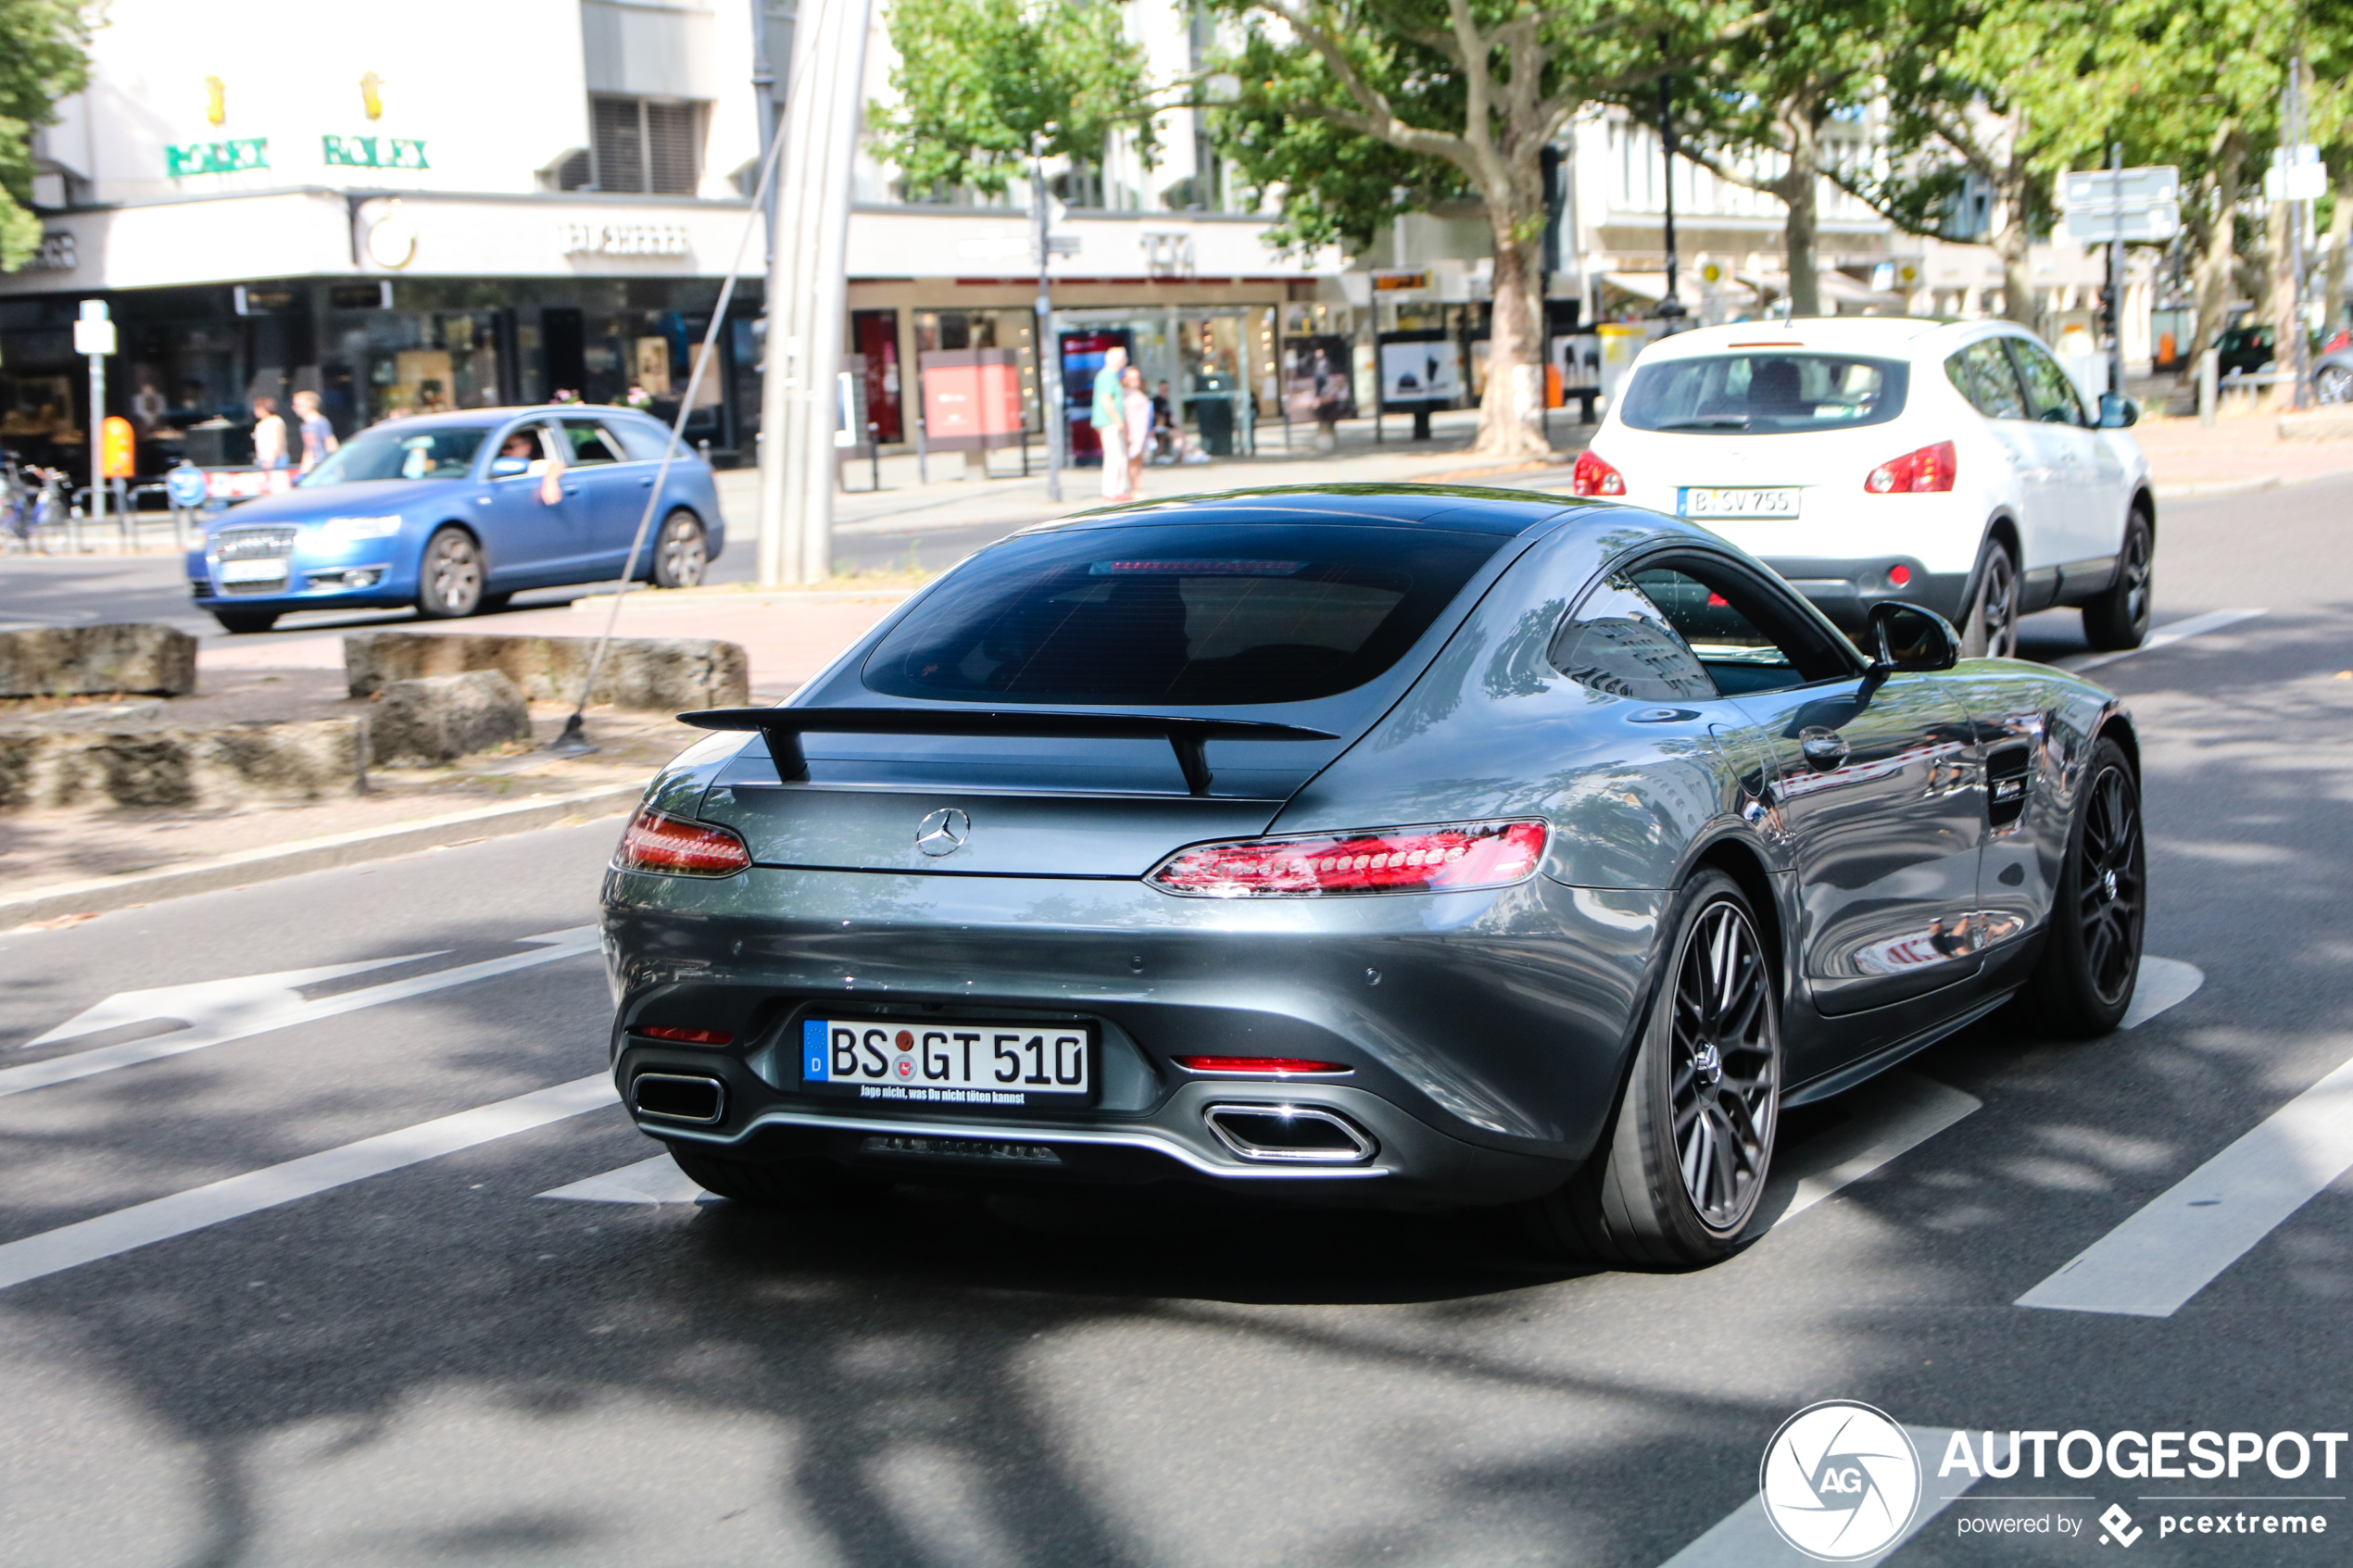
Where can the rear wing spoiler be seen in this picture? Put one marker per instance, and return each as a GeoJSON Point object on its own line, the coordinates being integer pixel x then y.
{"type": "Point", "coordinates": [784, 727]}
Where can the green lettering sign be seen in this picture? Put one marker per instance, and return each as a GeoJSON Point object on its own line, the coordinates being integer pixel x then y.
{"type": "Point", "coordinates": [217, 158]}
{"type": "Point", "coordinates": [372, 152]}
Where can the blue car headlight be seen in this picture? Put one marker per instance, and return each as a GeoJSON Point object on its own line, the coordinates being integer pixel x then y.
{"type": "Point", "coordinates": [341, 532]}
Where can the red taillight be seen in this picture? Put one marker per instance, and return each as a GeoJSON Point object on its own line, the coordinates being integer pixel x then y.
{"type": "Point", "coordinates": [1257, 1066]}
{"type": "Point", "coordinates": [1930, 469]}
{"type": "Point", "coordinates": [1898, 575]}
{"type": "Point", "coordinates": [1591, 476]}
{"type": "Point", "coordinates": [1434, 859]}
{"type": "Point", "coordinates": [684, 1036]}
{"type": "Point", "coordinates": [653, 842]}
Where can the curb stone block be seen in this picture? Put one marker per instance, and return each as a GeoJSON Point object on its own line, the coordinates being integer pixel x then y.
{"type": "Point", "coordinates": [660, 673]}
{"type": "Point", "coordinates": [439, 717]}
{"type": "Point", "coordinates": [95, 660]}
{"type": "Point", "coordinates": [233, 765]}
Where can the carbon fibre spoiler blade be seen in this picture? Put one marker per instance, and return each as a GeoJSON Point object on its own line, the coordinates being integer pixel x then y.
{"type": "Point", "coordinates": [1186, 736]}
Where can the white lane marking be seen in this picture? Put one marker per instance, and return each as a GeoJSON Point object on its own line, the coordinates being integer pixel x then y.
{"type": "Point", "coordinates": [2177, 1244]}
{"type": "Point", "coordinates": [658, 1180]}
{"type": "Point", "coordinates": [1745, 1539]}
{"type": "Point", "coordinates": [2164, 983]}
{"type": "Point", "coordinates": [103, 1236]}
{"type": "Point", "coordinates": [212, 1004]}
{"type": "Point", "coordinates": [1893, 1114]}
{"type": "Point", "coordinates": [548, 947]}
{"type": "Point", "coordinates": [2213, 621]}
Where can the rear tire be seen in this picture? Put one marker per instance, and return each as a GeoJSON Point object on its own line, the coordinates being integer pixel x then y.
{"type": "Point", "coordinates": [681, 554]}
{"type": "Point", "coordinates": [2082, 985]}
{"type": "Point", "coordinates": [2118, 619]}
{"type": "Point", "coordinates": [236, 621]}
{"type": "Point", "coordinates": [792, 1184]}
{"type": "Point", "coordinates": [1679, 1174]}
{"type": "Point", "coordinates": [1989, 627]}
{"type": "Point", "coordinates": [450, 577]}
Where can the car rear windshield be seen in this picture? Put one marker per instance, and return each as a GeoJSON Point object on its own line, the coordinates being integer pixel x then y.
{"type": "Point", "coordinates": [1766, 393]}
{"type": "Point", "coordinates": [1185, 614]}
{"type": "Point", "coordinates": [389, 452]}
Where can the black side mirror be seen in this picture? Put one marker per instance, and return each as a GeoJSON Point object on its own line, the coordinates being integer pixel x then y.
{"type": "Point", "coordinates": [2117, 411]}
{"type": "Point", "coordinates": [1907, 637]}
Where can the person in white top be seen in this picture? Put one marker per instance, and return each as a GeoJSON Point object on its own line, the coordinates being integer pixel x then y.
{"type": "Point", "coordinates": [1139, 411]}
{"type": "Point", "coordinates": [269, 434]}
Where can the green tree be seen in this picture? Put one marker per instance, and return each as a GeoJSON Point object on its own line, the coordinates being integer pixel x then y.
{"type": "Point", "coordinates": [44, 57]}
{"type": "Point", "coordinates": [1452, 95]}
{"type": "Point", "coordinates": [984, 87]}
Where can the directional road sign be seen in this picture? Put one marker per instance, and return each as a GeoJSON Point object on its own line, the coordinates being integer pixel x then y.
{"type": "Point", "coordinates": [2119, 189]}
{"type": "Point", "coordinates": [2151, 224]}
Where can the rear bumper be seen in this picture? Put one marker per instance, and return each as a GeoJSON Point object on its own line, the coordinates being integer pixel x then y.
{"type": "Point", "coordinates": [1845, 590]}
{"type": "Point", "coordinates": [1485, 1056]}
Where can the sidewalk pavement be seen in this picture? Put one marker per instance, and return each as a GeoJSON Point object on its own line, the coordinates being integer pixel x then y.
{"type": "Point", "coordinates": [2239, 454]}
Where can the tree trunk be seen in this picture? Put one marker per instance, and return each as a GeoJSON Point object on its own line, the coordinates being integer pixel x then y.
{"type": "Point", "coordinates": [2015, 246]}
{"type": "Point", "coordinates": [2280, 284]}
{"type": "Point", "coordinates": [1800, 189]}
{"type": "Point", "coordinates": [2340, 234]}
{"type": "Point", "coordinates": [1511, 411]}
{"type": "Point", "coordinates": [2215, 265]}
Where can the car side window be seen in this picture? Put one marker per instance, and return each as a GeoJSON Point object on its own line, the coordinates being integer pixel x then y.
{"type": "Point", "coordinates": [589, 444]}
{"type": "Point", "coordinates": [2050, 396]}
{"type": "Point", "coordinates": [1620, 642]}
{"type": "Point", "coordinates": [1742, 632]}
{"type": "Point", "coordinates": [1983, 375]}
{"type": "Point", "coordinates": [644, 440]}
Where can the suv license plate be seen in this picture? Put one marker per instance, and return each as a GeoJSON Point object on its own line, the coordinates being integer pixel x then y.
{"type": "Point", "coordinates": [952, 1063]}
{"type": "Point", "coordinates": [1693, 502]}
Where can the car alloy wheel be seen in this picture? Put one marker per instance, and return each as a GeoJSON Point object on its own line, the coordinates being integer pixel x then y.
{"type": "Point", "coordinates": [2118, 618]}
{"type": "Point", "coordinates": [2083, 983]}
{"type": "Point", "coordinates": [2332, 384]}
{"type": "Point", "coordinates": [1678, 1175]}
{"type": "Point", "coordinates": [680, 555]}
{"type": "Point", "coordinates": [1992, 617]}
{"type": "Point", "coordinates": [449, 583]}
{"type": "Point", "coordinates": [2107, 884]}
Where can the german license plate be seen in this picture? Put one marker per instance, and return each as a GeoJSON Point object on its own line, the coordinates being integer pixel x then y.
{"type": "Point", "coordinates": [1695, 502]}
{"type": "Point", "coordinates": [953, 1063]}
{"type": "Point", "coordinates": [253, 572]}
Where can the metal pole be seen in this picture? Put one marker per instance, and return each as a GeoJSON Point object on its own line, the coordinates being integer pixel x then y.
{"type": "Point", "coordinates": [808, 293]}
{"type": "Point", "coordinates": [98, 442]}
{"type": "Point", "coordinates": [1670, 309]}
{"type": "Point", "coordinates": [2297, 133]}
{"type": "Point", "coordinates": [1050, 348]}
{"type": "Point", "coordinates": [763, 86]}
{"type": "Point", "coordinates": [2116, 279]}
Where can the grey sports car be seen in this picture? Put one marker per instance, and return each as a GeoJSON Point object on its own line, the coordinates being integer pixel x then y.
{"type": "Point", "coordinates": [1407, 846]}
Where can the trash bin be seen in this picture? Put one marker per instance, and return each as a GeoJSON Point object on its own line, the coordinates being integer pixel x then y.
{"type": "Point", "coordinates": [1214, 418]}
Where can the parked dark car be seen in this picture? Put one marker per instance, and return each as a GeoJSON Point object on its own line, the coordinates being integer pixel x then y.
{"type": "Point", "coordinates": [1417, 847]}
{"type": "Point", "coordinates": [454, 513]}
{"type": "Point", "coordinates": [2245, 349]}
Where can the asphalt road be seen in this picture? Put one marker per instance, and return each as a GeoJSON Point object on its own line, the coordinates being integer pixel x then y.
{"type": "Point", "coordinates": [391, 1348]}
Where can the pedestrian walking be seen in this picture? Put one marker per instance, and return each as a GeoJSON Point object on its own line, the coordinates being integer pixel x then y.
{"type": "Point", "coordinates": [318, 435]}
{"type": "Point", "coordinates": [269, 434]}
{"type": "Point", "coordinates": [1138, 431]}
{"type": "Point", "coordinates": [1110, 419]}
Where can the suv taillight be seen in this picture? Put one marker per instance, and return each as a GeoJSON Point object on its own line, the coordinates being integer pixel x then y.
{"type": "Point", "coordinates": [1930, 469]}
{"type": "Point", "coordinates": [673, 846]}
{"type": "Point", "coordinates": [1450, 859]}
{"type": "Point", "coordinates": [1593, 476]}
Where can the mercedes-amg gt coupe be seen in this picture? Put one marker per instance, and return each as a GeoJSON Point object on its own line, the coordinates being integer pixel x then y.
{"type": "Point", "coordinates": [1409, 845]}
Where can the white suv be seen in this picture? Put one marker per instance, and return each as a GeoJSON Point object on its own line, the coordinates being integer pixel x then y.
{"type": "Point", "coordinates": [1950, 466]}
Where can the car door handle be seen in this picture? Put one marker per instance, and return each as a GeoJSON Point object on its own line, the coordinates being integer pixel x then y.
{"type": "Point", "coordinates": [572, 490]}
{"type": "Point", "coordinates": [1824, 748]}
{"type": "Point", "coordinates": [645, 484]}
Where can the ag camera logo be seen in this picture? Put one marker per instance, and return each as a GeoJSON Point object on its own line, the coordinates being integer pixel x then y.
{"type": "Point", "coordinates": [1840, 1481]}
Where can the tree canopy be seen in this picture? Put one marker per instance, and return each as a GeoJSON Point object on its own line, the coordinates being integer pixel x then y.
{"type": "Point", "coordinates": [44, 57]}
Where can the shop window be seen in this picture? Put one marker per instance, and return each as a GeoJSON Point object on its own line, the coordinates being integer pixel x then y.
{"type": "Point", "coordinates": [640, 144]}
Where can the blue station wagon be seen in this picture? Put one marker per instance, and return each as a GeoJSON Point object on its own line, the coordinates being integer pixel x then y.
{"type": "Point", "coordinates": [454, 513]}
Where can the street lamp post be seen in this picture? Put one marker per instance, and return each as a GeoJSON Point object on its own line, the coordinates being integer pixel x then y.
{"type": "Point", "coordinates": [1050, 352]}
{"type": "Point", "coordinates": [1670, 308]}
{"type": "Point", "coordinates": [94, 336]}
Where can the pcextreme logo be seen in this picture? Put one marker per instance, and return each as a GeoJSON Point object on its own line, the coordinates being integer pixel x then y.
{"type": "Point", "coordinates": [1840, 1481]}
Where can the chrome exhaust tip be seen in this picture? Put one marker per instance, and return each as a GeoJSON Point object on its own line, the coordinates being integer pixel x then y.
{"type": "Point", "coordinates": [1291, 1134]}
{"type": "Point", "coordinates": [678, 1097]}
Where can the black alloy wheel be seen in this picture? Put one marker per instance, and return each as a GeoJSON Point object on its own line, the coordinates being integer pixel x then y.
{"type": "Point", "coordinates": [2083, 983]}
{"type": "Point", "coordinates": [449, 578]}
{"type": "Point", "coordinates": [1680, 1175]}
{"type": "Point", "coordinates": [2332, 384]}
{"type": "Point", "coordinates": [1991, 629]}
{"type": "Point", "coordinates": [237, 621]}
{"type": "Point", "coordinates": [680, 553]}
{"type": "Point", "coordinates": [2118, 619]}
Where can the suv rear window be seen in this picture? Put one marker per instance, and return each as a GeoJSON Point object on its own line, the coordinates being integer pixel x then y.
{"type": "Point", "coordinates": [1774, 392]}
{"type": "Point", "coordinates": [1193, 614]}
